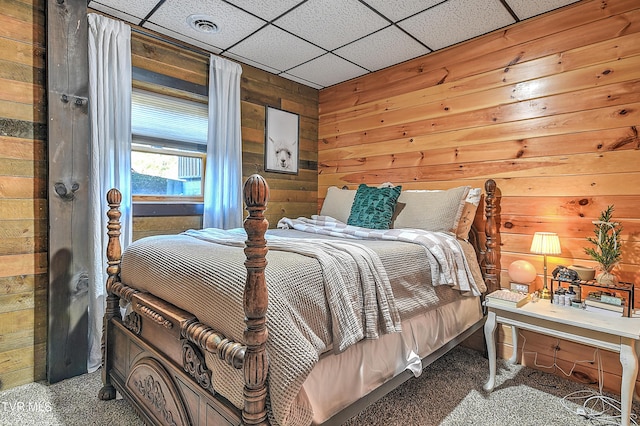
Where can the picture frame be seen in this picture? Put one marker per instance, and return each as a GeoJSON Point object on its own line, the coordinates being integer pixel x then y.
{"type": "Point", "coordinates": [282, 141]}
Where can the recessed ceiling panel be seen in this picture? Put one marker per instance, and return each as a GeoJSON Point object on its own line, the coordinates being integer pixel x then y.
{"type": "Point", "coordinates": [276, 49]}
{"type": "Point", "coordinates": [387, 47]}
{"type": "Point", "coordinates": [457, 20]}
{"type": "Point", "coordinates": [266, 9]}
{"type": "Point", "coordinates": [400, 9]}
{"type": "Point", "coordinates": [138, 9]}
{"type": "Point", "coordinates": [526, 8]}
{"type": "Point", "coordinates": [330, 23]}
{"type": "Point", "coordinates": [327, 70]}
{"type": "Point", "coordinates": [233, 24]}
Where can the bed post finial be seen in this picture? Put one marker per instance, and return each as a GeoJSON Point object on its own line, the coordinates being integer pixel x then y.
{"type": "Point", "coordinates": [492, 278]}
{"type": "Point", "coordinates": [114, 250]}
{"type": "Point", "coordinates": [112, 309]}
{"type": "Point", "coordinates": [256, 360]}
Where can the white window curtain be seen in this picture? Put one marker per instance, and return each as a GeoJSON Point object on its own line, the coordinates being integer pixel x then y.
{"type": "Point", "coordinates": [223, 175]}
{"type": "Point", "coordinates": [109, 155]}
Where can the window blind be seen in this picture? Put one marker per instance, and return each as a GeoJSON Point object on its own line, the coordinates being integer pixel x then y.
{"type": "Point", "coordinates": [168, 122]}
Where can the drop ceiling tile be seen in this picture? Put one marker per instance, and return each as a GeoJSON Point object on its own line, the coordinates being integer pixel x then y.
{"type": "Point", "coordinates": [330, 23]}
{"type": "Point", "coordinates": [327, 70]}
{"type": "Point", "coordinates": [233, 23]}
{"type": "Point", "coordinates": [384, 48]}
{"type": "Point", "coordinates": [300, 80]}
{"type": "Point", "coordinates": [400, 9]}
{"type": "Point", "coordinates": [125, 8]}
{"type": "Point", "coordinates": [250, 62]}
{"type": "Point", "coordinates": [180, 36]}
{"type": "Point", "coordinates": [457, 20]}
{"type": "Point", "coordinates": [526, 8]}
{"type": "Point", "coordinates": [276, 48]}
{"type": "Point", "coordinates": [266, 9]}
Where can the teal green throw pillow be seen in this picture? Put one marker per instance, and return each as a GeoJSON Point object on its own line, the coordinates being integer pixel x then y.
{"type": "Point", "coordinates": [373, 207]}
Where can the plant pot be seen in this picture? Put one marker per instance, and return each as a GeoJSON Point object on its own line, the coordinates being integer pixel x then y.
{"type": "Point", "coordinates": [607, 278]}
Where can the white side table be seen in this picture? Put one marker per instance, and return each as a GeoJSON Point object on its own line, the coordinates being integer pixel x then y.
{"type": "Point", "coordinates": [615, 334]}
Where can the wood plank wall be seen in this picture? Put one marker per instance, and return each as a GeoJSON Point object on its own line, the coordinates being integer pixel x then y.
{"type": "Point", "coordinates": [291, 195]}
{"type": "Point", "coordinates": [23, 198]}
{"type": "Point", "coordinates": [549, 107]}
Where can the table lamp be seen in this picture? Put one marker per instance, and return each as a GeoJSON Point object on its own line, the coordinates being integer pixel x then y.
{"type": "Point", "coordinates": [545, 243]}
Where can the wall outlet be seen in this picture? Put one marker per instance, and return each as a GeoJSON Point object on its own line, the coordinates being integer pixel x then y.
{"type": "Point", "coordinates": [521, 288]}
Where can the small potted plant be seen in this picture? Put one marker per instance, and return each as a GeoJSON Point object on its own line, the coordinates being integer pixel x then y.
{"type": "Point", "coordinates": [607, 246]}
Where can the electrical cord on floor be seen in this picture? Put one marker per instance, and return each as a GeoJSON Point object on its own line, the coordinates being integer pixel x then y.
{"type": "Point", "coordinates": [555, 366]}
{"type": "Point", "coordinates": [596, 407]}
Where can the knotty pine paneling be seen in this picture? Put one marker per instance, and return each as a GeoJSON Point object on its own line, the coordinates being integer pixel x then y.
{"type": "Point", "coordinates": [549, 107]}
{"type": "Point", "coordinates": [291, 195]}
{"type": "Point", "coordinates": [23, 195]}
{"type": "Point", "coordinates": [551, 115]}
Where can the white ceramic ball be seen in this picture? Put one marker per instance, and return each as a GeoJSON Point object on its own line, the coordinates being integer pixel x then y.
{"type": "Point", "coordinates": [522, 271]}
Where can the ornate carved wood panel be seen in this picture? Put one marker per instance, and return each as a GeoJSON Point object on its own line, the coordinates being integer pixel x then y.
{"type": "Point", "coordinates": [153, 387]}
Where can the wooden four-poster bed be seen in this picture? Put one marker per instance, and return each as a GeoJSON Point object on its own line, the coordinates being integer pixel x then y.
{"type": "Point", "coordinates": [176, 347]}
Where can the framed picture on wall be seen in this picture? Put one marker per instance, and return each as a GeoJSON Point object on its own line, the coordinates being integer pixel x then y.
{"type": "Point", "coordinates": [282, 142]}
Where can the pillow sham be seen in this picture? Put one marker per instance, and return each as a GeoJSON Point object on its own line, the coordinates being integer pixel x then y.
{"type": "Point", "coordinates": [373, 207]}
{"type": "Point", "coordinates": [337, 203]}
{"type": "Point", "coordinates": [468, 213]}
{"type": "Point", "coordinates": [436, 211]}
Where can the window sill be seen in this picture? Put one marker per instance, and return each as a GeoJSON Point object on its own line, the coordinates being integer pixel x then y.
{"type": "Point", "coordinates": [150, 209]}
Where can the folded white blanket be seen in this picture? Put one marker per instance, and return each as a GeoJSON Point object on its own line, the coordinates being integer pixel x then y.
{"type": "Point", "coordinates": [449, 266]}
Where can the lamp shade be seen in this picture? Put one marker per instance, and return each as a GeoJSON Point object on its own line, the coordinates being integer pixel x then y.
{"type": "Point", "coordinates": [545, 243]}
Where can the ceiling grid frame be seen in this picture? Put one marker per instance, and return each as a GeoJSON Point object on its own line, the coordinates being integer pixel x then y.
{"type": "Point", "coordinates": [321, 43]}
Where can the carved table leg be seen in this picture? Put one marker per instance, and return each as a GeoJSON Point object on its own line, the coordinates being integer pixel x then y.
{"type": "Point", "coordinates": [629, 361]}
{"type": "Point", "coordinates": [636, 396]}
{"type": "Point", "coordinates": [489, 335]}
{"type": "Point", "coordinates": [514, 338]}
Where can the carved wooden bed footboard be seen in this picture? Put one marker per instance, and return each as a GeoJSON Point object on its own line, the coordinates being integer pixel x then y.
{"type": "Point", "coordinates": [154, 355]}
{"type": "Point", "coordinates": [150, 375]}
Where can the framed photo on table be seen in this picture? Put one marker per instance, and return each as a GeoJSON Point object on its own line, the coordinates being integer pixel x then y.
{"type": "Point", "coordinates": [282, 142]}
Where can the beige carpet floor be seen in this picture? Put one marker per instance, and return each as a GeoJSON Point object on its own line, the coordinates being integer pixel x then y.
{"type": "Point", "coordinates": [449, 392]}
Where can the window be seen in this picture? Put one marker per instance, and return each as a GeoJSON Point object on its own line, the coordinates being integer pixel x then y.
{"type": "Point", "coordinates": [168, 144]}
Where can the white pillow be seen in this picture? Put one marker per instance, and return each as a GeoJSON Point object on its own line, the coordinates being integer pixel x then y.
{"type": "Point", "coordinates": [337, 203]}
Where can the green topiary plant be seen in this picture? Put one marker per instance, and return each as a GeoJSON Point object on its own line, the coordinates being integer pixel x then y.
{"type": "Point", "coordinates": [607, 243]}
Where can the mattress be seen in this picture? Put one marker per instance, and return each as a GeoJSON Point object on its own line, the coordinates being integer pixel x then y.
{"type": "Point", "coordinates": [371, 363]}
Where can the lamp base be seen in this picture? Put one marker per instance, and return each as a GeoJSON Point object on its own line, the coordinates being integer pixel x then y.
{"type": "Point", "coordinates": [545, 293]}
